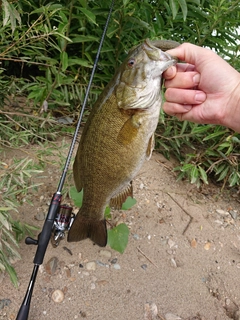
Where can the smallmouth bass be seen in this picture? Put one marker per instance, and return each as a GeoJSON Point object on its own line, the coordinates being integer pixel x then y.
{"type": "Point", "coordinates": [118, 137]}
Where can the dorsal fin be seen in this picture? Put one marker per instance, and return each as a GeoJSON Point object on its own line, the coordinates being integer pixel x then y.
{"type": "Point", "coordinates": [117, 201]}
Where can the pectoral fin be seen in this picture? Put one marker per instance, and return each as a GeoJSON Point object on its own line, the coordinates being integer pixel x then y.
{"type": "Point", "coordinates": [117, 202]}
{"type": "Point", "coordinates": [129, 130]}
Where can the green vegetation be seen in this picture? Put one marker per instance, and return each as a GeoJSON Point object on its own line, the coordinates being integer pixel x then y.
{"type": "Point", "coordinates": [47, 51]}
{"type": "Point", "coordinates": [15, 183]}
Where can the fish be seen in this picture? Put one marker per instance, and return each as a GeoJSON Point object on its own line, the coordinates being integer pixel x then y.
{"type": "Point", "coordinates": [118, 137]}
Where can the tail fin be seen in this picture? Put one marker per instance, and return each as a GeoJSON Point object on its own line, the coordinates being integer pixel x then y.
{"type": "Point", "coordinates": [83, 228]}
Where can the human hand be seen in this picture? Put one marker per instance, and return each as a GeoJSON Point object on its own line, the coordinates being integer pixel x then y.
{"type": "Point", "coordinates": [204, 89]}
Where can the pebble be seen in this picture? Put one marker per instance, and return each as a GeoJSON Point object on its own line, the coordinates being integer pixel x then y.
{"type": "Point", "coordinates": [171, 316]}
{"type": "Point", "coordinates": [102, 282]}
{"type": "Point", "coordinates": [105, 253]}
{"type": "Point", "coordinates": [40, 216]}
{"type": "Point", "coordinates": [207, 246]}
{"type": "Point", "coordinates": [233, 214]}
{"type": "Point", "coordinates": [150, 311]}
{"type": "Point", "coordinates": [173, 263]}
{"type": "Point", "coordinates": [222, 212]}
{"type": "Point", "coordinates": [102, 264]}
{"type": "Point", "coordinates": [116, 266]}
{"type": "Point", "coordinates": [113, 261]}
{"type": "Point", "coordinates": [51, 265]}
{"type": "Point", "coordinates": [91, 265]}
{"type": "Point", "coordinates": [136, 237]}
{"type": "Point", "coordinates": [171, 243]}
{"type": "Point", "coordinates": [58, 296]}
{"type": "Point", "coordinates": [193, 243]}
{"type": "Point", "coordinates": [68, 272]}
{"type": "Point", "coordinates": [93, 286]}
{"type": "Point", "coordinates": [144, 266]}
{"type": "Point", "coordinates": [41, 268]}
{"type": "Point", "coordinates": [4, 303]}
{"type": "Point", "coordinates": [83, 314]}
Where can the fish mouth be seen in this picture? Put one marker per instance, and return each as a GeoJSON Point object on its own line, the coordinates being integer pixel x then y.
{"type": "Point", "coordinates": [156, 50]}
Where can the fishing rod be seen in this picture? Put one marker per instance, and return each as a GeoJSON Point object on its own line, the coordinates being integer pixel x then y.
{"type": "Point", "coordinates": [59, 217]}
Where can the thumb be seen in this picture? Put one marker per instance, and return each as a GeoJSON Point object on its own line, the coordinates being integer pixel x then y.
{"type": "Point", "coordinates": [190, 53]}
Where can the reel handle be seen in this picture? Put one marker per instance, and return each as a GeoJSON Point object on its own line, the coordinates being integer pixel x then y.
{"type": "Point", "coordinates": [30, 240]}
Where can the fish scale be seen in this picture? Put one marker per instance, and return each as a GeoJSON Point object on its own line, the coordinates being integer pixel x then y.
{"type": "Point", "coordinates": [117, 138]}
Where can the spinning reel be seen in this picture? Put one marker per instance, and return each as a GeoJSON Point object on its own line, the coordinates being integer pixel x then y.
{"type": "Point", "coordinates": [62, 223]}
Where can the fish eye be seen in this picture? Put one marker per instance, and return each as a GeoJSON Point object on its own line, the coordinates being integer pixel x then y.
{"type": "Point", "coordinates": [131, 62]}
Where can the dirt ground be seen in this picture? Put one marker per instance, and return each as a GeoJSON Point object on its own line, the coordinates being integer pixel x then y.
{"type": "Point", "coordinates": [182, 260]}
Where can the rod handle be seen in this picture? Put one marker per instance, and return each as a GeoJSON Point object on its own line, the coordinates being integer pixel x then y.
{"type": "Point", "coordinates": [45, 235]}
{"type": "Point", "coordinates": [23, 312]}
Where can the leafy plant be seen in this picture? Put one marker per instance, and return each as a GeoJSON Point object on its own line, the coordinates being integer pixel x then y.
{"type": "Point", "coordinates": [15, 183]}
{"type": "Point", "coordinates": [202, 150]}
{"type": "Point", "coordinates": [117, 235]}
{"type": "Point", "coordinates": [76, 196]}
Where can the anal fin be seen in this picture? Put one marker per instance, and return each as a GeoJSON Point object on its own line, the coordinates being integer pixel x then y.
{"type": "Point", "coordinates": [117, 201]}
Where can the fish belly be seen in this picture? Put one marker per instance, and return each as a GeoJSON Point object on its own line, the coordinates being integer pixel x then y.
{"type": "Point", "coordinates": [112, 149]}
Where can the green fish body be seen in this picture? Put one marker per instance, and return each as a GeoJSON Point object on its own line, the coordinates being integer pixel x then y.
{"type": "Point", "coordinates": [117, 138]}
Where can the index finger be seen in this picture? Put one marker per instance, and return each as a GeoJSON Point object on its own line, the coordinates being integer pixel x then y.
{"type": "Point", "coordinates": [184, 67]}
{"type": "Point", "coordinates": [171, 72]}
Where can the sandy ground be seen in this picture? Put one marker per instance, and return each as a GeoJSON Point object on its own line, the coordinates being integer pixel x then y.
{"type": "Point", "coordinates": [182, 260]}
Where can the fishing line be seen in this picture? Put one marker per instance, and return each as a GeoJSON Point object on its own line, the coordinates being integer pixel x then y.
{"type": "Point", "coordinates": [62, 179]}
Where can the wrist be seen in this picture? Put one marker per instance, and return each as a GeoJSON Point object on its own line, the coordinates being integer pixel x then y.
{"type": "Point", "coordinates": [232, 117]}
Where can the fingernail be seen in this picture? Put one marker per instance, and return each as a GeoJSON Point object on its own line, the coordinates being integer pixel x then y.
{"type": "Point", "coordinates": [196, 78]}
{"type": "Point", "coordinates": [200, 97]}
{"type": "Point", "coordinates": [187, 107]}
{"type": "Point", "coordinates": [169, 73]}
